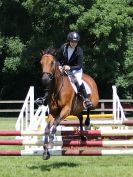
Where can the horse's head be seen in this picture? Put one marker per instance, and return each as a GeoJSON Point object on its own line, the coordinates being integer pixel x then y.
{"type": "Point", "coordinates": [48, 68]}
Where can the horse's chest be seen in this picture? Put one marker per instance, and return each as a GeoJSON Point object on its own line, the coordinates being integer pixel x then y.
{"type": "Point", "coordinates": [54, 106]}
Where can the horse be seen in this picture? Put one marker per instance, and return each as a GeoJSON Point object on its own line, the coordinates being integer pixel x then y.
{"type": "Point", "coordinates": [62, 99]}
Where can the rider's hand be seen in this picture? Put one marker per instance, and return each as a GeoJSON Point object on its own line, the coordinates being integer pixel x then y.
{"type": "Point", "coordinates": [66, 67]}
{"type": "Point", "coordinates": [60, 68]}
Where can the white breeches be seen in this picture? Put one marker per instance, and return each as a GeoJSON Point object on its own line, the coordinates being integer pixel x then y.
{"type": "Point", "coordinates": [78, 74]}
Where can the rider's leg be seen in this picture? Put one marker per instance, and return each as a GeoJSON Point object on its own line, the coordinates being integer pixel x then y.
{"type": "Point", "coordinates": [87, 101]}
{"type": "Point", "coordinates": [77, 86]}
{"type": "Point", "coordinates": [81, 88]}
{"type": "Point", "coordinates": [77, 79]}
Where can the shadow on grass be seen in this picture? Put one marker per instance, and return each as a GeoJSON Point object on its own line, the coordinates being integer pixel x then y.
{"type": "Point", "coordinates": [57, 165]}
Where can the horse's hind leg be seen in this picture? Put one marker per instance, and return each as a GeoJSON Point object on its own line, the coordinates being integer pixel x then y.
{"type": "Point", "coordinates": [80, 117]}
{"type": "Point", "coordinates": [87, 121]}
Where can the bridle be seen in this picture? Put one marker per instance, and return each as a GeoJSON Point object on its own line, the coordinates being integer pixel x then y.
{"type": "Point", "coordinates": [50, 75]}
{"type": "Point", "coordinates": [53, 75]}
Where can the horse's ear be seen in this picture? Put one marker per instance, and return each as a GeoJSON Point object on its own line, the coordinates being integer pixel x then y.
{"type": "Point", "coordinates": [54, 51]}
{"type": "Point", "coordinates": [42, 52]}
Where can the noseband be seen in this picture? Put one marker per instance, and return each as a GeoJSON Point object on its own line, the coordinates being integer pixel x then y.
{"type": "Point", "coordinates": [50, 75]}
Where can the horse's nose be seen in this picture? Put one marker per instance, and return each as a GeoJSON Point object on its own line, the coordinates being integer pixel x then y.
{"type": "Point", "coordinates": [46, 79]}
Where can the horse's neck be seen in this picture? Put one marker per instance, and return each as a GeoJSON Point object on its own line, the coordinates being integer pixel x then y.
{"type": "Point", "coordinates": [57, 81]}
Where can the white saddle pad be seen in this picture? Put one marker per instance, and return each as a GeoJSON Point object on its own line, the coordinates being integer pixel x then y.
{"type": "Point", "coordinates": [87, 88]}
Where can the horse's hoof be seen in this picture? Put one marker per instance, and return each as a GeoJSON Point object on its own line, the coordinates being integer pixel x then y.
{"type": "Point", "coordinates": [46, 155]}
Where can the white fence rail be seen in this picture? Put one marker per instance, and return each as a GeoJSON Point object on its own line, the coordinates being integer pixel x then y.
{"type": "Point", "coordinates": [36, 117]}
{"type": "Point", "coordinates": [105, 105]}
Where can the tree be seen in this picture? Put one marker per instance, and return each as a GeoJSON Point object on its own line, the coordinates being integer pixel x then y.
{"type": "Point", "coordinates": [107, 27]}
{"type": "Point", "coordinates": [125, 79]}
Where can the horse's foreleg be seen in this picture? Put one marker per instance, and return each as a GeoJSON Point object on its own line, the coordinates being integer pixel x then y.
{"type": "Point", "coordinates": [47, 129]}
{"type": "Point", "coordinates": [64, 113]}
{"type": "Point", "coordinates": [47, 132]}
{"type": "Point", "coordinates": [87, 121]}
{"type": "Point", "coordinates": [54, 128]}
{"type": "Point", "coordinates": [46, 154]}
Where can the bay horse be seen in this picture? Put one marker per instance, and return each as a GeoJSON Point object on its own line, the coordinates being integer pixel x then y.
{"type": "Point", "coordinates": [62, 99]}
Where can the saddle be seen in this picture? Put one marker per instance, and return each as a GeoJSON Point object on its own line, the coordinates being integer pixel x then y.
{"type": "Point", "coordinates": [74, 83]}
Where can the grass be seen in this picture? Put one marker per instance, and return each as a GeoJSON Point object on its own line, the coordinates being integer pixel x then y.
{"type": "Point", "coordinates": [102, 166]}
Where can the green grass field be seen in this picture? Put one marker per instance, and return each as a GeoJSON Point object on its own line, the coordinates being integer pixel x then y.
{"type": "Point", "coordinates": [102, 166]}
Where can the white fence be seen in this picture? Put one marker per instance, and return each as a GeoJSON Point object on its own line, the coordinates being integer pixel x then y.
{"type": "Point", "coordinates": [105, 106]}
{"type": "Point", "coordinates": [35, 120]}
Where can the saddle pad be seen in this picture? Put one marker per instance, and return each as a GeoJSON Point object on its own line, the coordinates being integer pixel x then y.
{"type": "Point", "coordinates": [87, 88]}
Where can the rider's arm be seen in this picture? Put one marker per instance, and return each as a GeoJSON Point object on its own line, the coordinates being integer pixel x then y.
{"type": "Point", "coordinates": [79, 61]}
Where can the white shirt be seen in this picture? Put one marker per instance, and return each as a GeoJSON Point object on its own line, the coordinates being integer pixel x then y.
{"type": "Point", "coordinates": [70, 52]}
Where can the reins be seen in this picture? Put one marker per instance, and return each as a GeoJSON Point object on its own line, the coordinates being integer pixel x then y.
{"type": "Point", "coordinates": [62, 82]}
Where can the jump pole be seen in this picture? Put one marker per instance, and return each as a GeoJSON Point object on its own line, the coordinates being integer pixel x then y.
{"type": "Point", "coordinates": [68, 152]}
{"type": "Point", "coordinates": [76, 123]}
{"type": "Point", "coordinates": [67, 133]}
{"type": "Point", "coordinates": [93, 116]}
{"type": "Point", "coordinates": [69, 143]}
{"type": "Point", "coordinates": [21, 133]}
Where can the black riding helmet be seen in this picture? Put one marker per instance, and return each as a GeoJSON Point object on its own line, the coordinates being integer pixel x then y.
{"type": "Point", "coordinates": [73, 36]}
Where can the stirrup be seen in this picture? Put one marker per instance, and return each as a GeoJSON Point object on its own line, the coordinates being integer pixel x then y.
{"type": "Point", "coordinates": [87, 104]}
{"type": "Point", "coordinates": [41, 101]}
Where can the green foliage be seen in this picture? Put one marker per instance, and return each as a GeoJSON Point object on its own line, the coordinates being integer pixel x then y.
{"type": "Point", "coordinates": [1, 42]}
{"type": "Point", "coordinates": [11, 64]}
{"type": "Point", "coordinates": [14, 52]}
{"type": "Point", "coordinates": [125, 80]}
{"type": "Point", "coordinates": [105, 26]}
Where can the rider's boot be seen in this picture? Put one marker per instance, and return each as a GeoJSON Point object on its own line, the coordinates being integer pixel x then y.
{"type": "Point", "coordinates": [87, 102]}
{"type": "Point", "coordinates": [78, 87]}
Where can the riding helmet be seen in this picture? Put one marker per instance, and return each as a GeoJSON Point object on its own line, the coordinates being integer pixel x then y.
{"type": "Point", "coordinates": [73, 36]}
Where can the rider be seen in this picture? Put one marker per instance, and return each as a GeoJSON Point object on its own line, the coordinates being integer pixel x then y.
{"type": "Point", "coordinates": [70, 57]}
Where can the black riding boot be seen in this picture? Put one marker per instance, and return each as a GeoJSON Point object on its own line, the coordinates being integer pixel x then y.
{"type": "Point", "coordinates": [87, 101]}
{"type": "Point", "coordinates": [77, 86]}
